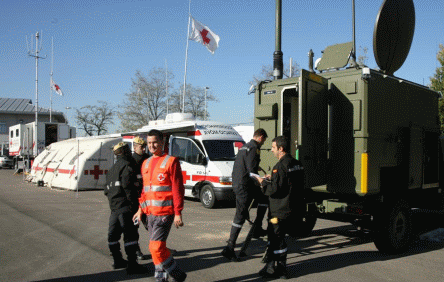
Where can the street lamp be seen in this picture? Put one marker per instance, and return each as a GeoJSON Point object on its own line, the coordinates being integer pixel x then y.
{"type": "Point", "coordinates": [206, 88]}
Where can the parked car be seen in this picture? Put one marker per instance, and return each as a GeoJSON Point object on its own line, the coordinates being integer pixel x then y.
{"type": "Point", "coordinates": [6, 162]}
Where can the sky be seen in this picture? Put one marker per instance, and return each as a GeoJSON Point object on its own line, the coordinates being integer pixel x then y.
{"type": "Point", "coordinates": [100, 44]}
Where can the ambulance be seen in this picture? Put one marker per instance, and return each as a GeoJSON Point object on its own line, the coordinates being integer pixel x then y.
{"type": "Point", "coordinates": [206, 152]}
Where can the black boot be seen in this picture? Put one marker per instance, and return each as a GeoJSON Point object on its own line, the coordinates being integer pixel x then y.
{"type": "Point", "coordinates": [281, 270]}
{"type": "Point", "coordinates": [269, 270]}
{"type": "Point", "coordinates": [140, 255]}
{"type": "Point", "coordinates": [228, 253]}
{"type": "Point", "coordinates": [119, 262]}
{"type": "Point", "coordinates": [133, 266]}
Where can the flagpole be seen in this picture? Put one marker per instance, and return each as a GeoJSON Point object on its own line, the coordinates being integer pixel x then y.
{"type": "Point", "coordinates": [186, 59]}
{"type": "Point", "coordinates": [166, 85]}
{"type": "Point", "coordinates": [50, 82]}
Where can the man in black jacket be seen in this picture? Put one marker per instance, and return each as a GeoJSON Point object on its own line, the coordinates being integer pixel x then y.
{"type": "Point", "coordinates": [139, 155]}
{"type": "Point", "coordinates": [123, 195]}
{"type": "Point", "coordinates": [284, 190]}
{"type": "Point", "coordinates": [247, 161]}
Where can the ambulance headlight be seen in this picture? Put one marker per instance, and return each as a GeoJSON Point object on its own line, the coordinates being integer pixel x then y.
{"type": "Point", "coordinates": [225, 180]}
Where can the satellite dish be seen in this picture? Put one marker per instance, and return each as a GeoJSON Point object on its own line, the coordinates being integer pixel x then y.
{"type": "Point", "coordinates": [393, 34]}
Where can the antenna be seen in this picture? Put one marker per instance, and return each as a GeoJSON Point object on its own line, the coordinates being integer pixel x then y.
{"type": "Point", "coordinates": [353, 52]}
{"type": "Point", "coordinates": [51, 81]}
{"type": "Point", "coordinates": [37, 57]}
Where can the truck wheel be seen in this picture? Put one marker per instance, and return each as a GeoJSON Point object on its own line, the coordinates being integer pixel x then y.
{"type": "Point", "coordinates": [302, 227]}
{"type": "Point", "coordinates": [207, 197]}
{"type": "Point", "coordinates": [393, 228]}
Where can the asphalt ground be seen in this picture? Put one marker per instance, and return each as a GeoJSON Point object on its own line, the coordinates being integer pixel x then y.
{"type": "Point", "coordinates": [59, 235]}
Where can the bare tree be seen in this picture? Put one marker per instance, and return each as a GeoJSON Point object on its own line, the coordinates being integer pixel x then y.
{"type": "Point", "coordinates": [194, 101]}
{"type": "Point", "coordinates": [147, 99]}
{"type": "Point", "coordinates": [362, 58]}
{"type": "Point", "coordinates": [95, 119]}
{"type": "Point", "coordinates": [267, 73]}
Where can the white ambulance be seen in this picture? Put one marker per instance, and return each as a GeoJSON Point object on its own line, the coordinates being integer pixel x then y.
{"type": "Point", "coordinates": [206, 151]}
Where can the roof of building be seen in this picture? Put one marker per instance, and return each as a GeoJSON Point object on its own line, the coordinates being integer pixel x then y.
{"type": "Point", "coordinates": [17, 105]}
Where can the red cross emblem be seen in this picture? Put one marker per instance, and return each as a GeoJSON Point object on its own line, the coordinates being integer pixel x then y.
{"type": "Point", "coordinates": [96, 172]}
{"type": "Point", "coordinates": [71, 172]}
{"type": "Point", "coordinates": [160, 177]}
{"type": "Point", "coordinates": [185, 176]}
{"type": "Point", "coordinates": [205, 39]}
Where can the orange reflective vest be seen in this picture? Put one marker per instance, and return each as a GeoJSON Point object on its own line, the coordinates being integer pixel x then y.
{"type": "Point", "coordinates": [157, 194]}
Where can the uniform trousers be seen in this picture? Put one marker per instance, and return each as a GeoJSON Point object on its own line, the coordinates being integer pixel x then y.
{"type": "Point", "coordinates": [122, 222]}
{"type": "Point", "coordinates": [277, 248]}
{"type": "Point", "coordinates": [159, 228]}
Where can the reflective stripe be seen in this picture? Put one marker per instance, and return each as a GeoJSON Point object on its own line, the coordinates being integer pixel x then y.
{"type": "Point", "coordinates": [146, 189]}
{"type": "Point", "coordinates": [148, 162]}
{"type": "Point", "coordinates": [280, 251]}
{"type": "Point", "coordinates": [298, 167]}
{"type": "Point", "coordinates": [145, 204]}
{"type": "Point", "coordinates": [156, 203]}
{"type": "Point", "coordinates": [165, 161]}
{"type": "Point", "coordinates": [113, 243]}
{"type": "Point", "coordinates": [155, 188]}
{"type": "Point", "coordinates": [130, 243]}
{"type": "Point", "coordinates": [117, 183]}
{"type": "Point", "coordinates": [262, 205]}
{"type": "Point", "coordinates": [236, 225]}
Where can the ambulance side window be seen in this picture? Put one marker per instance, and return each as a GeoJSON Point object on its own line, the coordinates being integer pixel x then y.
{"type": "Point", "coordinates": [186, 150]}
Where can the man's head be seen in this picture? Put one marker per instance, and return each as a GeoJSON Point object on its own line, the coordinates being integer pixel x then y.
{"type": "Point", "coordinates": [260, 136]}
{"type": "Point", "coordinates": [139, 145]}
{"type": "Point", "coordinates": [279, 146]}
{"type": "Point", "coordinates": [121, 148]}
{"type": "Point", "coordinates": [155, 142]}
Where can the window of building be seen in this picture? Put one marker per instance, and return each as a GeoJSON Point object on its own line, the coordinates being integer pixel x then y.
{"type": "Point", "coordinates": [3, 128]}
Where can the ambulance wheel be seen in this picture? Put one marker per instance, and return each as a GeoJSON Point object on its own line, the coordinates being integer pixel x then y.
{"type": "Point", "coordinates": [393, 232]}
{"type": "Point", "coordinates": [207, 197]}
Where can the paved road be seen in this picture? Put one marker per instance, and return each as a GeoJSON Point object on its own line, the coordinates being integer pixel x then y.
{"type": "Point", "coordinates": [53, 235]}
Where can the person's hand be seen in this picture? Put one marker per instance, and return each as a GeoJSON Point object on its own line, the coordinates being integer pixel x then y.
{"type": "Point", "coordinates": [137, 215]}
{"type": "Point", "coordinates": [267, 176]}
{"type": "Point", "coordinates": [259, 179]}
{"type": "Point", "coordinates": [178, 221]}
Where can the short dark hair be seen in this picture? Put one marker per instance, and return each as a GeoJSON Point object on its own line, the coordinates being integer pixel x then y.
{"type": "Point", "coordinates": [157, 133]}
{"type": "Point", "coordinates": [260, 132]}
{"type": "Point", "coordinates": [281, 141]}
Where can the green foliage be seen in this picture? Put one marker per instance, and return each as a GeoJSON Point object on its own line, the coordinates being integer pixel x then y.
{"type": "Point", "coordinates": [437, 84]}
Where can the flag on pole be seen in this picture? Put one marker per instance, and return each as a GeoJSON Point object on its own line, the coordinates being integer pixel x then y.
{"type": "Point", "coordinates": [56, 88]}
{"type": "Point", "coordinates": [202, 34]}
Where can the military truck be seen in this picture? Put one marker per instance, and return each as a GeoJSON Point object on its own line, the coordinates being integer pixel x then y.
{"type": "Point", "coordinates": [369, 141]}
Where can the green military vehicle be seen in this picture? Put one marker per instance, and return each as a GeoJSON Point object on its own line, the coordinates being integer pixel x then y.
{"type": "Point", "coordinates": [369, 141]}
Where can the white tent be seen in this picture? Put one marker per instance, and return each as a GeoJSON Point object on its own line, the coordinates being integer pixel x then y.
{"type": "Point", "coordinates": [75, 164]}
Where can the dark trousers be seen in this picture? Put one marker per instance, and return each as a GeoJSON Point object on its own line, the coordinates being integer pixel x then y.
{"type": "Point", "coordinates": [277, 249]}
{"type": "Point", "coordinates": [122, 222]}
{"type": "Point", "coordinates": [244, 196]}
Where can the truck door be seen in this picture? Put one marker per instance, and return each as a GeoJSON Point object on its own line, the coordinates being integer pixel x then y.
{"type": "Point", "coordinates": [191, 160]}
{"type": "Point", "coordinates": [313, 127]}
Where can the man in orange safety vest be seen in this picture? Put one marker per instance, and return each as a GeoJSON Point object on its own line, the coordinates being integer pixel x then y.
{"type": "Point", "coordinates": [162, 201]}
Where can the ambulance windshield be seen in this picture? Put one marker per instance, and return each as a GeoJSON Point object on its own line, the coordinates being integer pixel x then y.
{"type": "Point", "coordinates": [222, 150]}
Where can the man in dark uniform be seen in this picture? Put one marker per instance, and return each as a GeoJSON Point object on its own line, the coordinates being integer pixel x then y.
{"type": "Point", "coordinates": [284, 190]}
{"type": "Point", "coordinates": [247, 161]}
{"type": "Point", "coordinates": [123, 195]}
{"type": "Point", "coordinates": [140, 155]}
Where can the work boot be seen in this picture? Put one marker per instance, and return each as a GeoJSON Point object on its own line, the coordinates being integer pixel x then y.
{"type": "Point", "coordinates": [120, 263]}
{"type": "Point", "coordinates": [229, 254]}
{"type": "Point", "coordinates": [135, 268]}
{"type": "Point", "coordinates": [259, 232]}
{"type": "Point", "coordinates": [268, 271]}
{"type": "Point", "coordinates": [281, 270]}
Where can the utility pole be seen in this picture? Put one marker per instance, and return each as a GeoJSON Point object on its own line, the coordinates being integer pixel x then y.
{"type": "Point", "coordinates": [37, 57]}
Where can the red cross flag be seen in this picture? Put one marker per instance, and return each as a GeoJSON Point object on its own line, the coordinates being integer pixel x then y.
{"type": "Point", "coordinates": [202, 34]}
{"type": "Point", "coordinates": [56, 88]}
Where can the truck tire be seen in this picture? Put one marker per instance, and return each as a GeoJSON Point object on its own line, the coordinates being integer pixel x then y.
{"type": "Point", "coordinates": [207, 196]}
{"type": "Point", "coordinates": [303, 226]}
{"type": "Point", "coordinates": [393, 229]}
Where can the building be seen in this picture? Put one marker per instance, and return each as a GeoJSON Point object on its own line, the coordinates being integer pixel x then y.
{"type": "Point", "coordinates": [15, 111]}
